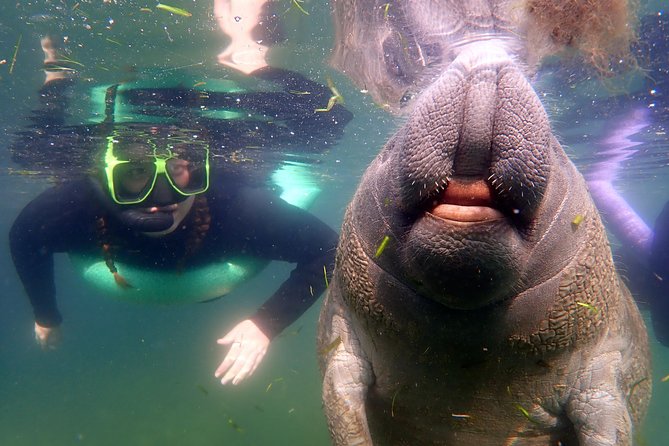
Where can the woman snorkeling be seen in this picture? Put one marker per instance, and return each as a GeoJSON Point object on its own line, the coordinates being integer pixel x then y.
{"type": "Point", "coordinates": [157, 205]}
{"type": "Point", "coordinates": [170, 211]}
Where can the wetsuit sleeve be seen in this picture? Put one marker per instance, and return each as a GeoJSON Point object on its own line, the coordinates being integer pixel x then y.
{"type": "Point", "coordinates": [48, 224]}
{"type": "Point", "coordinates": [280, 231]}
{"type": "Point", "coordinates": [659, 265]}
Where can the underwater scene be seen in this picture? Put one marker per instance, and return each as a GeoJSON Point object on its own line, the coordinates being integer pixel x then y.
{"type": "Point", "coordinates": [175, 176]}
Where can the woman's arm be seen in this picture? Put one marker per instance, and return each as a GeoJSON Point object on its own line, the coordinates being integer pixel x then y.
{"type": "Point", "coordinates": [52, 222]}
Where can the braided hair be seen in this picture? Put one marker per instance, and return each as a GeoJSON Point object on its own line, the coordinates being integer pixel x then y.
{"type": "Point", "coordinates": [201, 221]}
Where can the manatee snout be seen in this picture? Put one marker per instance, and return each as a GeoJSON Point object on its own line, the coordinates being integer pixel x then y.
{"type": "Point", "coordinates": [474, 162]}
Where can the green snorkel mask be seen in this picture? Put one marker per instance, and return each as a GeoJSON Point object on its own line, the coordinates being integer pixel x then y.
{"type": "Point", "coordinates": [133, 178]}
{"type": "Point", "coordinates": [147, 171]}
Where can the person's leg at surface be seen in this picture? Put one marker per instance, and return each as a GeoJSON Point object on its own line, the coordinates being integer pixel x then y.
{"type": "Point", "coordinates": [252, 28]}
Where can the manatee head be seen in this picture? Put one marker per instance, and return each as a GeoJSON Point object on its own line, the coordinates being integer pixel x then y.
{"type": "Point", "coordinates": [474, 192]}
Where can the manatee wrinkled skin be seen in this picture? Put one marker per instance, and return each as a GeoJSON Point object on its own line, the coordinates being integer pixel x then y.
{"type": "Point", "coordinates": [493, 315]}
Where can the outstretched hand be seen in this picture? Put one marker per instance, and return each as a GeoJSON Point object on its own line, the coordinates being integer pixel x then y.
{"type": "Point", "coordinates": [47, 337]}
{"type": "Point", "coordinates": [248, 345]}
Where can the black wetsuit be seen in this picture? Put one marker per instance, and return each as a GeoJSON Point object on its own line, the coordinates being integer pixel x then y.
{"type": "Point", "coordinates": [659, 277]}
{"type": "Point", "coordinates": [244, 221]}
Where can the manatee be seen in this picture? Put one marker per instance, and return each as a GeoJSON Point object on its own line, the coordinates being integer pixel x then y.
{"type": "Point", "coordinates": [474, 299]}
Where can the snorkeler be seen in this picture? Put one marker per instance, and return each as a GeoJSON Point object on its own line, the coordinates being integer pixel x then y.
{"type": "Point", "coordinates": [155, 205]}
{"type": "Point", "coordinates": [176, 208]}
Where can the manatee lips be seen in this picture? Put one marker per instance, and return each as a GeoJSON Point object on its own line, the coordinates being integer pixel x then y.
{"type": "Point", "coordinates": [466, 201]}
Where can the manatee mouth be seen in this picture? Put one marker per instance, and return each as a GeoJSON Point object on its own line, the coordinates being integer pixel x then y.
{"type": "Point", "coordinates": [466, 201]}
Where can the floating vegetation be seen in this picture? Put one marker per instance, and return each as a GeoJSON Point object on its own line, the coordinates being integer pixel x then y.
{"type": "Point", "coordinates": [336, 98]}
{"type": "Point", "coordinates": [233, 424]}
{"type": "Point", "coordinates": [62, 58]}
{"type": "Point", "coordinates": [382, 246]}
{"type": "Point", "coordinates": [392, 404]}
{"type": "Point", "coordinates": [588, 306]}
{"type": "Point", "coordinates": [298, 5]}
{"type": "Point", "coordinates": [633, 387]}
{"type": "Point", "coordinates": [576, 222]}
{"type": "Point", "coordinates": [202, 389]}
{"type": "Point", "coordinates": [174, 10]}
{"type": "Point", "coordinates": [16, 52]}
{"type": "Point", "coordinates": [526, 413]}
{"type": "Point", "coordinates": [665, 379]}
{"type": "Point", "coordinates": [275, 380]}
{"type": "Point", "coordinates": [325, 275]}
{"type": "Point", "coordinates": [331, 346]}
{"type": "Point", "coordinates": [386, 7]}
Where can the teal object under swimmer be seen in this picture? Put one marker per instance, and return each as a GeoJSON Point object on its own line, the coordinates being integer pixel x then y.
{"type": "Point", "coordinates": [298, 187]}
{"type": "Point", "coordinates": [168, 287]}
{"type": "Point", "coordinates": [124, 112]}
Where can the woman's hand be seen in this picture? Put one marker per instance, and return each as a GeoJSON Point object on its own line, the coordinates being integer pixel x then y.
{"type": "Point", "coordinates": [248, 345]}
{"type": "Point", "coordinates": [47, 337]}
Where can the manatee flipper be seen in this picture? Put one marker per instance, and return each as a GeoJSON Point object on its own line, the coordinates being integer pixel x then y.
{"type": "Point", "coordinates": [347, 375]}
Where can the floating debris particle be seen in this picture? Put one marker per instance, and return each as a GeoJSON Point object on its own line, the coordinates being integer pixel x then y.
{"type": "Point", "coordinates": [275, 380]}
{"type": "Point", "coordinates": [633, 388]}
{"type": "Point", "coordinates": [588, 306]}
{"type": "Point", "coordinates": [199, 84]}
{"type": "Point", "coordinates": [526, 414]}
{"type": "Point", "coordinates": [202, 389]}
{"type": "Point", "coordinates": [665, 379]}
{"type": "Point", "coordinates": [386, 7]}
{"type": "Point", "coordinates": [392, 404]}
{"type": "Point", "coordinates": [336, 98]}
{"type": "Point", "coordinates": [16, 52]}
{"type": "Point", "coordinates": [576, 222]}
{"type": "Point", "coordinates": [41, 18]}
{"type": "Point", "coordinates": [174, 10]}
{"type": "Point", "coordinates": [331, 346]}
{"type": "Point", "coordinates": [298, 5]}
{"type": "Point", "coordinates": [234, 425]}
{"type": "Point", "coordinates": [382, 246]}
{"type": "Point", "coordinates": [460, 416]}
{"type": "Point", "coordinates": [69, 60]}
